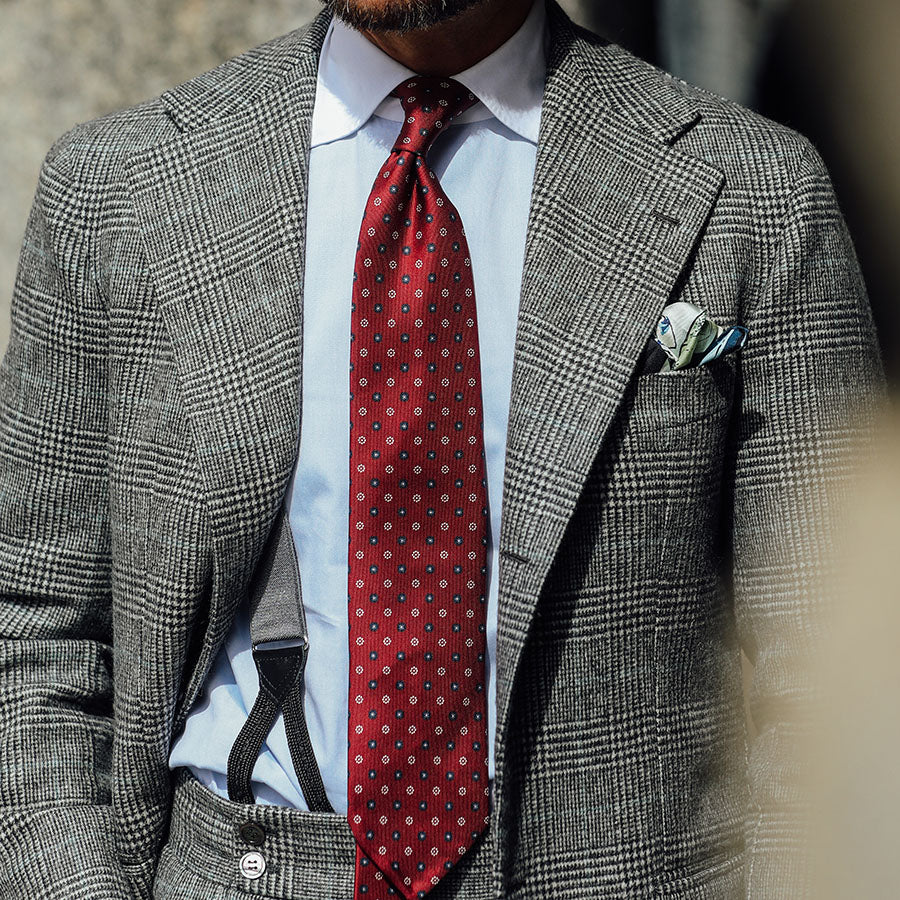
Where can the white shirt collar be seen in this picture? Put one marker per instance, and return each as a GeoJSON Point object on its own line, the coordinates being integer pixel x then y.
{"type": "Point", "coordinates": [355, 80]}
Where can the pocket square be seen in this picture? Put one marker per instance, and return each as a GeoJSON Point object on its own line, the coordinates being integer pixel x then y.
{"type": "Point", "coordinates": [689, 338]}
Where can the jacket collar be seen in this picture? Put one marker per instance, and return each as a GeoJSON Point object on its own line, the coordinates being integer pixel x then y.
{"type": "Point", "coordinates": [654, 100]}
{"type": "Point", "coordinates": [258, 76]}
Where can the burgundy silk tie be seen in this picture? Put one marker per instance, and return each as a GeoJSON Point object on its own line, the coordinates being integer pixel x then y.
{"type": "Point", "coordinates": [418, 793]}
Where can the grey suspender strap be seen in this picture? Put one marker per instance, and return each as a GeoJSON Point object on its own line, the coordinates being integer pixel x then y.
{"type": "Point", "coordinates": [280, 647]}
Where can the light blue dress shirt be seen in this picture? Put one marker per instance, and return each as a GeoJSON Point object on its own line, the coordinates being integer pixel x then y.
{"type": "Point", "coordinates": [485, 163]}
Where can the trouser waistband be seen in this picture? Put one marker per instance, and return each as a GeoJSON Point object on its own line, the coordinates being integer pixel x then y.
{"type": "Point", "coordinates": [302, 855]}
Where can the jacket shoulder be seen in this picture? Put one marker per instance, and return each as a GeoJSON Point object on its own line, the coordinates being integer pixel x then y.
{"type": "Point", "coordinates": [747, 146]}
{"type": "Point", "coordinates": [90, 149]}
{"type": "Point", "coordinates": [96, 149]}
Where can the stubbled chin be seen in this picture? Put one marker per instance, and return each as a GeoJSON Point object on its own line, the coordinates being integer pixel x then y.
{"type": "Point", "coordinates": [397, 15]}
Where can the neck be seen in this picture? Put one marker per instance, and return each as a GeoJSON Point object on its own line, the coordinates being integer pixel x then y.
{"type": "Point", "coordinates": [457, 44]}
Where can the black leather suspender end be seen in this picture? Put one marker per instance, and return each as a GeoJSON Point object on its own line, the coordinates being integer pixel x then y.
{"type": "Point", "coordinates": [280, 649]}
{"type": "Point", "coordinates": [280, 689]}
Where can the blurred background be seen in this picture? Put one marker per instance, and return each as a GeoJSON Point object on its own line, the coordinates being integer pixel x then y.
{"type": "Point", "coordinates": [829, 68]}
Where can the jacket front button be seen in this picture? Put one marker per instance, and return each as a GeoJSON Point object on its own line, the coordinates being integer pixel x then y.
{"type": "Point", "coordinates": [252, 834]}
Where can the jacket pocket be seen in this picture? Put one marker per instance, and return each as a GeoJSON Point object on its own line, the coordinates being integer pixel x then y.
{"type": "Point", "coordinates": [675, 399]}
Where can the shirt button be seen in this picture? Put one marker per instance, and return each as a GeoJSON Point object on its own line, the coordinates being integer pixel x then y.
{"type": "Point", "coordinates": [252, 865]}
{"type": "Point", "coordinates": [252, 834]}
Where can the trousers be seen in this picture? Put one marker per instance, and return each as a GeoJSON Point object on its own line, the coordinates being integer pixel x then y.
{"type": "Point", "coordinates": [221, 850]}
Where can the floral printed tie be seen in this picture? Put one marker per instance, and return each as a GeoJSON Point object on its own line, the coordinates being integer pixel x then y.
{"type": "Point", "coordinates": [418, 793]}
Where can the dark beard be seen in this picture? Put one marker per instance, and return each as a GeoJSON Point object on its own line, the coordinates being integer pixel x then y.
{"type": "Point", "coordinates": [398, 15]}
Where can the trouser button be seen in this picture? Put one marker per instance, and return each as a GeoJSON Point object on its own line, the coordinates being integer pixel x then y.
{"type": "Point", "coordinates": [252, 865]}
{"type": "Point", "coordinates": [252, 834]}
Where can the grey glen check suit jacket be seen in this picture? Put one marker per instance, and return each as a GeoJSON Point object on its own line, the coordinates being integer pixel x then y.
{"type": "Point", "coordinates": [653, 524]}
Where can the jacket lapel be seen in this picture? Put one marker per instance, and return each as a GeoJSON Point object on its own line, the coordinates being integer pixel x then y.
{"type": "Point", "coordinates": [615, 212]}
{"type": "Point", "coordinates": [222, 215]}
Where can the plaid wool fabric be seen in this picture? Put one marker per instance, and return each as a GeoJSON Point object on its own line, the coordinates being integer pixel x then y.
{"type": "Point", "coordinates": [148, 427]}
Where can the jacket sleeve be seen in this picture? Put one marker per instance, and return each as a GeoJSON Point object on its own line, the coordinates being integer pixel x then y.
{"type": "Point", "coordinates": [811, 386]}
{"type": "Point", "coordinates": [56, 689]}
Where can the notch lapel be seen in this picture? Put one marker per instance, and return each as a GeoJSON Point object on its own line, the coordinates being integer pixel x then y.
{"type": "Point", "coordinates": [222, 214]}
{"type": "Point", "coordinates": [615, 213]}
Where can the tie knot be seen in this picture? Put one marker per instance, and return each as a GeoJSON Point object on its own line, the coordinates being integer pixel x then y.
{"type": "Point", "coordinates": [430, 103]}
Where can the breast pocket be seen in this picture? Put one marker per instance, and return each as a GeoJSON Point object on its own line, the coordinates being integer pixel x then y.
{"type": "Point", "coordinates": [664, 401]}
